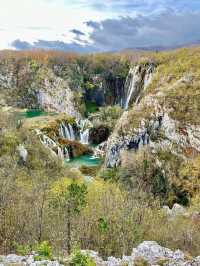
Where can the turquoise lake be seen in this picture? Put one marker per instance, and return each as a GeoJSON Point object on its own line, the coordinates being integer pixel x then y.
{"type": "Point", "coordinates": [85, 160]}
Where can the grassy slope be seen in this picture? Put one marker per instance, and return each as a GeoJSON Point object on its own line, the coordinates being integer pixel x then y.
{"type": "Point", "coordinates": [182, 97]}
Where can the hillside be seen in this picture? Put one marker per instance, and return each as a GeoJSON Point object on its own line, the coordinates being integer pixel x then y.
{"type": "Point", "coordinates": [100, 152]}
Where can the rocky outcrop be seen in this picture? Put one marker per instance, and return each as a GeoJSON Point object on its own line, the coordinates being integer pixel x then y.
{"type": "Point", "coordinates": [154, 254]}
{"type": "Point", "coordinates": [151, 123]}
{"type": "Point", "coordinates": [148, 253]}
{"type": "Point", "coordinates": [131, 140]}
{"type": "Point", "coordinates": [13, 259]}
{"type": "Point", "coordinates": [23, 153]}
{"type": "Point", "coordinates": [55, 95]}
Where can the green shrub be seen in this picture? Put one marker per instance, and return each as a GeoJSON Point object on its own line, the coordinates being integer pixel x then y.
{"type": "Point", "coordinates": [22, 249]}
{"type": "Point", "coordinates": [79, 259]}
{"type": "Point", "coordinates": [44, 250]}
{"type": "Point", "coordinates": [91, 107]}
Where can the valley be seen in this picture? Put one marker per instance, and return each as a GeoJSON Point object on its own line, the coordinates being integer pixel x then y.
{"type": "Point", "coordinates": [95, 152]}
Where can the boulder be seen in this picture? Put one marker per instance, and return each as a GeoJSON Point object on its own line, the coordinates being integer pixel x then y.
{"type": "Point", "coordinates": [13, 259]}
{"type": "Point", "coordinates": [23, 153]}
{"type": "Point", "coordinates": [175, 211]}
{"type": "Point", "coordinates": [151, 252]}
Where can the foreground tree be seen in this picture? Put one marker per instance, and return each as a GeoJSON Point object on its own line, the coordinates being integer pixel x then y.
{"type": "Point", "coordinates": [70, 199]}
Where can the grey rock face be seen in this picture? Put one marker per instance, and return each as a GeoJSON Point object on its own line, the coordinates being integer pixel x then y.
{"type": "Point", "coordinates": [13, 259]}
{"type": "Point", "coordinates": [153, 253]}
{"type": "Point", "coordinates": [41, 88]}
{"type": "Point", "coordinates": [175, 137]}
{"type": "Point", "coordinates": [55, 95]}
{"type": "Point", "coordinates": [149, 252]}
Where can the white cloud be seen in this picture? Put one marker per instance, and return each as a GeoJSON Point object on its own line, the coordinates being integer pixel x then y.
{"type": "Point", "coordinates": [32, 20]}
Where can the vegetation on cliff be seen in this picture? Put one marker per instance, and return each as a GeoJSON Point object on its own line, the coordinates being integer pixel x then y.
{"type": "Point", "coordinates": [44, 200]}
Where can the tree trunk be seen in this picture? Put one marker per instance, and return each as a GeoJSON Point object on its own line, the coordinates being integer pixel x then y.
{"type": "Point", "coordinates": [68, 229]}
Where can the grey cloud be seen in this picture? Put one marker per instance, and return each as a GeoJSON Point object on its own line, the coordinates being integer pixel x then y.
{"type": "Point", "coordinates": [21, 45]}
{"type": "Point", "coordinates": [78, 32]}
{"type": "Point", "coordinates": [93, 24]}
{"type": "Point", "coordinates": [147, 5]}
{"type": "Point", "coordinates": [53, 45]}
{"type": "Point", "coordinates": [165, 29]}
{"type": "Point", "coordinates": [162, 30]}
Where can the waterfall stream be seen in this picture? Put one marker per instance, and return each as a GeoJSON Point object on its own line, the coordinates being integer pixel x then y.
{"type": "Point", "coordinates": [67, 131]}
{"type": "Point", "coordinates": [53, 146]}
{"type": "Point", "coordinates": [138, 79]}
{"type": "Point", "coordinates": [84, 126]}
{"type": "Point", "coordinates": [84, 136]}
{"type": "Point", "coordinates": [131, 84]}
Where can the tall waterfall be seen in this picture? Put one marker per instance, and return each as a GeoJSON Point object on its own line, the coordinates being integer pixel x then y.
{"type": "Point", "coordinates": [66, 131]}
{"type": "Point", "coordinates": [137, 80]}
{"type": "Point", "coordinates": [132, 78]}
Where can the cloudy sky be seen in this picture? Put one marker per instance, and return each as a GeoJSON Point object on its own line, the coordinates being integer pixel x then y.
{"type": "Point", "coordinates": [98, 25]}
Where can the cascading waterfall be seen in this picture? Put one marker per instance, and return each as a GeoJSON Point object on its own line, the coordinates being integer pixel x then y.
{"type": "Point", "coordinates": [67, 132]}
{"type": "Point", "coordinates": [137, 81]}
{"type": "Point", "coordinates": [131, 84]}
{"type": "Point", "coordinates": [84, 126]}
{"type": "Point", "coordinates": [53, 146]}
{"type": "Point", "coordinates": [47, 141]}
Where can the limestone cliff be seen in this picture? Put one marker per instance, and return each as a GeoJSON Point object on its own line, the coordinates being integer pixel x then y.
{"type": "Point", "coordinates": [167, 115]}
{"type": "Point", "coordinates": [34, 86]}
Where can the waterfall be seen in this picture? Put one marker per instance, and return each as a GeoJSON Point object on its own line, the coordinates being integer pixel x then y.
{"type": "Point", "coordinates": [84, 136]}
{"type": "Point", "coordinates": [60, 153]}
{"type": "Point", "coordinates": [84, 125]}
{"type": "Point", "coordinates": [66, 154]}
{"type": "Point", "coordinates": [47, 141]}
{"type": "Point", "coordinates": [137, 81]}
{"type": "Point", "coordinates": [148, 76]}
{"type": "Point", "coordinates": [66, 131]}
{"type": "Point", "coordinates": [53, 146]}
{"type": "Point", "coordinates": [131, 84]}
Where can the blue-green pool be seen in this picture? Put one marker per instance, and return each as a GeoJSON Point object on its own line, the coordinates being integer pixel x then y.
{"type": "Point", "coordinates": [34, 113]}
{"type": "Point", "coordinates": [85, 160]}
